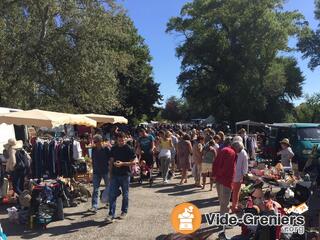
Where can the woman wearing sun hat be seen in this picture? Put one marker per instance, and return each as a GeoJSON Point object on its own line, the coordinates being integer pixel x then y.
{"type": "Point", "coordinates": [10, 151]}
{"type": "Point", "coordinates": [286, 154]}
{"type": "Point", "coordinates": [18, 163]}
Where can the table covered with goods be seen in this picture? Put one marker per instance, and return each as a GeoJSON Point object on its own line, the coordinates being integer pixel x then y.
{"type": "Point", "coordinates": [267, 187]}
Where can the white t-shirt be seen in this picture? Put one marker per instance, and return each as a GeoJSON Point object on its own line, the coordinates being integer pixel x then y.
{"type": "Point", "coordinates": [286, 156]}
{"type": "Point", "coordinates": [77, 151]}
{"type": "Point", "coordinates": [241, 166]}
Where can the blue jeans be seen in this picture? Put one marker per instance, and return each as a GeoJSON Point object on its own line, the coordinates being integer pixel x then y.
{"type": "Point", "coordinates": [116, 183]}
{"type": "Point", "coordinates": [96, 180]}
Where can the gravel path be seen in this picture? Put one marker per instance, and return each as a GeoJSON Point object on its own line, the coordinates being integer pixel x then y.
{"type": "Point", "coordinates": [148, 218]}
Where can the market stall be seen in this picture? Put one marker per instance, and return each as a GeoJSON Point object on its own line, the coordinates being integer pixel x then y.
{"type": "Point", "coordinates": [106, 118]}
{"type": "Point", "coordinates": [288, 194]}
{"type": "Point", "coordinates": [47, 184]}
{"type": "Point", "coordinates": [108, 125]}
{"type": "Point", "coordinates": [41, 118]}
{"type": "Point", "coordinates": [286, 189]}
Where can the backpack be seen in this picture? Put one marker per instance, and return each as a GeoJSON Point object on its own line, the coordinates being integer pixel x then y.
{"type": "Point", "coordinates": [22, 160]}
{"type": "Point", "coordinates": [6, 153]}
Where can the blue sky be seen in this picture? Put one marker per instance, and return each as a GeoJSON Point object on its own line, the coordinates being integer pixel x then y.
{"type": "Point", "coordinates": [150, 18]}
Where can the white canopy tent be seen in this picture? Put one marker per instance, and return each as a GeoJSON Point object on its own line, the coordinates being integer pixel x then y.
{"type": "Point", "coordinates": [41, 118]}
{"type": "Point", "coordinates": [210, 120]}
{"type": "Point", "coordinates": [99, 118]}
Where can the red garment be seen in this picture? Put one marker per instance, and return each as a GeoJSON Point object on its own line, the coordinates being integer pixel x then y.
{"type": "Point", "coordinates": [82, 130]}
{"type": "Point", "coordinates": [33, 141]}
{"type": "Point", "coordinates": [84, 149]}
{"type": "Point", "coordinates": [224, 166]}
{"type": "Point", "coordinates": [145, 168]}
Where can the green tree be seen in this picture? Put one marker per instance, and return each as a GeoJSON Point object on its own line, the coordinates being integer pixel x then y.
{"type": "Point", "coordinates": [175, 110]}
{"type": "Point", "coordinates": [74, 56]}
{"type": "Point", "coordinates": [138, 90]}
{"type": "Point", "coordinates": [230, 58]}
{"type": "Point", "coordinates": [309, 43]}
{"type": "Point", "coordinates": [309, 111]}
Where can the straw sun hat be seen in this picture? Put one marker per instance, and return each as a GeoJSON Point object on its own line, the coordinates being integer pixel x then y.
{"type": "Point", "coordinates": [13, 144]}
{"type": "Point", "coordinates": [286, 142]}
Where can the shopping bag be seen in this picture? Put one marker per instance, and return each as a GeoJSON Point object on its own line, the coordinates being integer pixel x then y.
{"type": "Point", "coordinates": [13, 214]}
{"type": "Point", "coordinates": [2, 235]}
{"type": "Point", "coordinates": [135, 170]}
{"type": "Point", "coordinates": [105, 195]}
{"type": "Point", "coordinates": [194, 170]}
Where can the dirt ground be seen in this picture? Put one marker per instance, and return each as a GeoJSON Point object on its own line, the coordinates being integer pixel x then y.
{"type": "Point", "coordinates": [148, 217]}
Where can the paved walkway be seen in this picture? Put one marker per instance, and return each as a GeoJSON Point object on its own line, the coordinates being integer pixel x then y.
{"type": "Point", "coordinates": [148, 218]}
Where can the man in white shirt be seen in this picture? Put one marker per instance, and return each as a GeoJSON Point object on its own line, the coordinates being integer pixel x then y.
{"type": "Point", "coordinates": [241, 170]}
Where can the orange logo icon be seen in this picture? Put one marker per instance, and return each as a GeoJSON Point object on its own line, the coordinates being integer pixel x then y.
{"type": "Point", "coordinates": [186, 218]}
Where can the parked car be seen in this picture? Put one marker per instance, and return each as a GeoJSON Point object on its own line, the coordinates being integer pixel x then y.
{"type": "Point", "coordinates": [302, 136]}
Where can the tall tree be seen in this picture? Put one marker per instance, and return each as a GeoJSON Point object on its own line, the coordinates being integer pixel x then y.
{"type": "Point", "coordinates": [309, 43]}
{"type": "Point", "coordinates": [68, 56]}
{"type": "Point", "coordinates": [138, 90]}
{"type": "Point", "coordinates": [230, 58]}
{"type": "Point", "coordinates": [309, 111]}
{"type": "Point", "coordinates": [174, 110]}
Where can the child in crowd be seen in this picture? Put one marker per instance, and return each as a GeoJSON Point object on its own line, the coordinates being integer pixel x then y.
{"type": "Point", "coordinates": [145, 170]}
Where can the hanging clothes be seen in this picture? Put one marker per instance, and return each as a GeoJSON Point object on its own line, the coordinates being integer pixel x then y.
{"type": "Point", "coordinates": [37, 160]}
{"type": "Point", "coordinates": [77, 150]}
{"type": "Point", "coordinates": [52, 159]}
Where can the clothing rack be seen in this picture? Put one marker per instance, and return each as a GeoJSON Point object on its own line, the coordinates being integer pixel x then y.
{"type": "Point", "coordinates": [53, 158]}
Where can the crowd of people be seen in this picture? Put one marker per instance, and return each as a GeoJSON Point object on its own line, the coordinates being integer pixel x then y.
{"type": "Point", "coordinates": [211, 158]}
{"type": "Point", "coordinates": [165, 152]}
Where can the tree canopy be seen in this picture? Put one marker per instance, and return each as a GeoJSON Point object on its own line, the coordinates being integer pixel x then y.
{"type": "Point", "coordinates": [74, 56]}
{"type": "Point", "coordinates": [309, 43]}
{"type": "Point", "coordinates": [231, 58]}
{"type": "Point", "coordinates": [175, 110]}
{"type": "Point", "coordinates": [308, 111]}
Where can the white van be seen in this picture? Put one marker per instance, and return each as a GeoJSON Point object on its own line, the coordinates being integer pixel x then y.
{"type": "Point", "coordinates": [6, 131]}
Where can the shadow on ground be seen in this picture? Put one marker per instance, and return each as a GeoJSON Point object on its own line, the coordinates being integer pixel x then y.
{"type": "Point", "coordinates": [22, 231]}
{"type": "Point", "coordinates": [176, 188]}
{"type": "Point", "coordinates": [205, 203]}
{"type": "Point", "coordinates": [201, 234]}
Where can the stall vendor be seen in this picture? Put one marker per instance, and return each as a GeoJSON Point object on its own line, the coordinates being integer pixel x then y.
{"type": "Point", "coordinates": [286, 154]}
{"type": "Point", "coordinates": [241, 170]}
{"type": "Point", "coordinates": [18, 164]}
